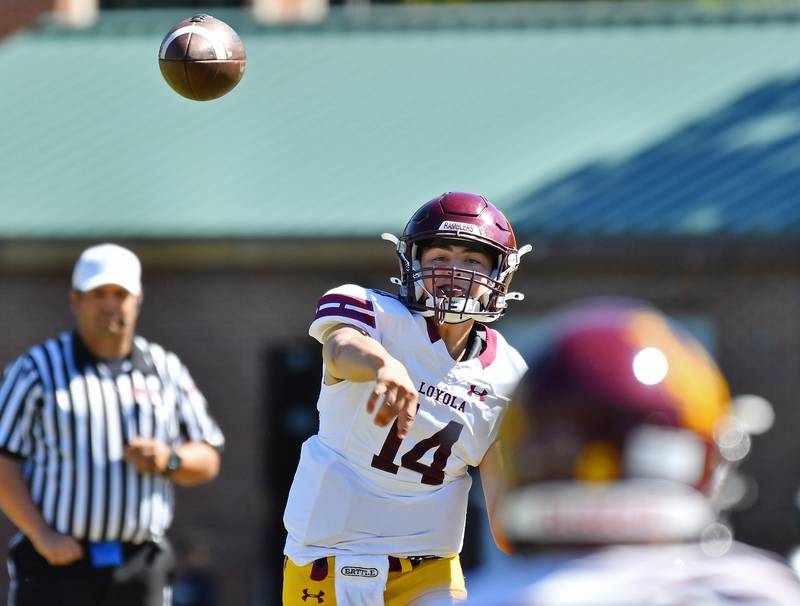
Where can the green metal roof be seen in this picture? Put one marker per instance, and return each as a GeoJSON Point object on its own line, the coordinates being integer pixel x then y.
{"type": "Point", "coordinates": [344, 128]}
{"type": "Point", "coordinates": [734, 172]}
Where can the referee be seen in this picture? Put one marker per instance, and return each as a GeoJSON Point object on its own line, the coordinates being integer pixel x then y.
{"type": "Point", "coordinates": [96, 425]}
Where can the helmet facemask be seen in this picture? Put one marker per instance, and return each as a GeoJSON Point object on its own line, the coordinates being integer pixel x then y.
{"type": "Point", "coordinates": [452, 303]}
{"type": "Point", "coordinates": [470, 221]}
{"type": "Point", "coordinates": [452, 299]}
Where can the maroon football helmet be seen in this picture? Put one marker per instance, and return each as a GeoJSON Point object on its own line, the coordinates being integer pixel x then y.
{"type": "Point", "coordinates": [613, 433]}
{"type": "Point", "coordinates": [473, 221]}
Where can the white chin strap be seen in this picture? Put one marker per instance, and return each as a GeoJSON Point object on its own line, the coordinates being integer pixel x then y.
{"type": "Point", "coordinates": [459, 309]}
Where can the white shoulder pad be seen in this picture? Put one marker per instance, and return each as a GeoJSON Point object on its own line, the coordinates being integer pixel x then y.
{"type": "Point", "coordinates": [347, 304]}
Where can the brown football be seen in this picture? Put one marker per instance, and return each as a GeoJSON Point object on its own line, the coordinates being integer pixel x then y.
{"type": "Point", "coordinates": [202, 58]}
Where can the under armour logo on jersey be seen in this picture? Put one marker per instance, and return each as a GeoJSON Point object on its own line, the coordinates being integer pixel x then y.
{"type": "Point", "coordinates": [473, 391]}
{"type": "Point", "coordinates": [318, 596]}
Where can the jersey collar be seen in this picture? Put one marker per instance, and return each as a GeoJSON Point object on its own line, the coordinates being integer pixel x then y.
{"type": "Point", "coordinates": [489, 353]}
{"type": "Point", "coordinates": [433, 334]}
{"type": "Point", "coordinates": [137, 360]}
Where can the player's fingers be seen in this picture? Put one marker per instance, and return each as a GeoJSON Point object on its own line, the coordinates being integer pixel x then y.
{"type": "Point", "coordinates": [389, 399]}
{"type": "Point", "coordinates": [384, 416]}
{"type": "Point", "coordinates": [379, 390]}
{"type": "Point", "coordinates": [406, 415]}
{"type": "Point", "coordinates": [388, 409]}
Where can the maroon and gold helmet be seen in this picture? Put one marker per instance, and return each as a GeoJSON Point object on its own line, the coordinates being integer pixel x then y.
{"type": "Point", "coordinates": [611, 433]}
{"type": "Point", "coordinates": [472, 220]}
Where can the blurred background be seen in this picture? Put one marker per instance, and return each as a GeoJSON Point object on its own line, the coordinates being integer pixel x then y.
{"type": "Point", "coordinates": [644, 149]}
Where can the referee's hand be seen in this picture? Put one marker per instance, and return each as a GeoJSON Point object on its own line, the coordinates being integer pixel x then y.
{"type": "Point", "coordinates": [149, 456]}
{"type": "Point", "coordinates": [58, 549]}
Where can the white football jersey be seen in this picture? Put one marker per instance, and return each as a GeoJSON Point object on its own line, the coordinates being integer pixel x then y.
{"type": "Point", "coordinates": [653, 575]}
{"type": "Point", "coordinates": [358, 488]}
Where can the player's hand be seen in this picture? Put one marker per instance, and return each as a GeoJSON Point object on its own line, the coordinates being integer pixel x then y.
{"type": "Point", "coordinates": [399, 395]}
{"type": "Point", "coordinates": [58, 549]}
{"type": "Point", "coordinates": [149, 456]}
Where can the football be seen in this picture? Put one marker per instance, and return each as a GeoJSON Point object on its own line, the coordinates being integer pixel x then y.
{"type": "Point", "coordinates": [202, 58]}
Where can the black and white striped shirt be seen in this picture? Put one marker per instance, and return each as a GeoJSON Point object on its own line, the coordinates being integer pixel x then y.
{"type": "Point", "coordinates": [69, 417]}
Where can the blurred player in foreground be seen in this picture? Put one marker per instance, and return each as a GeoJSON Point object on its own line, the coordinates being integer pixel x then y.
{"type": "Point", "coordinates": [612, 453]}
{"type": "Point", "coordinates": [413, 392]}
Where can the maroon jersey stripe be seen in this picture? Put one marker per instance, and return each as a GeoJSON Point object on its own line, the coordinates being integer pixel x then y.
{"type": "Point", "coordinates": [345, 300]}
{"type": "Point", "coordinates": [490, 353]}
{"type": "Point", "coordinates": [344, 312]}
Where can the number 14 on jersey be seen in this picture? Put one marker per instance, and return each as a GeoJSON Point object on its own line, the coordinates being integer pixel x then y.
{"type": "Point", "coordinates": [432, 474]}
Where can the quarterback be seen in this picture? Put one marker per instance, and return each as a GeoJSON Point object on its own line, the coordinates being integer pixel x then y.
{"type": "Point", "coordinates": [414, 388]}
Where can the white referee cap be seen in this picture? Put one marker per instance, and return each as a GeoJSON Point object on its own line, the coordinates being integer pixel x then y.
{"type": "Point", "coordinates": [108, 264]}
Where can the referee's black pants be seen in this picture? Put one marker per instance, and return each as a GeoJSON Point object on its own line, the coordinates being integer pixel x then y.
{"type": "Point", "coordinates": [143, 579]}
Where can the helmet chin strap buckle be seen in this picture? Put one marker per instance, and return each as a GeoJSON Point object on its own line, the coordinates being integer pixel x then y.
{"type": "Point", "coordinates": [515, 296]}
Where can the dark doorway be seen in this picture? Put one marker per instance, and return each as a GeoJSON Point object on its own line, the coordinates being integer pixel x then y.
{"type": "Point", "coordinates": [293, 375]}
